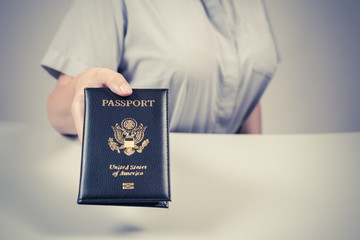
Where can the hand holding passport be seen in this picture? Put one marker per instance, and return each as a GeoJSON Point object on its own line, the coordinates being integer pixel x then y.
{"type": "Point", "coordinates": [125, 155]}
{"type": "Point", "coordinates": [69, 95]}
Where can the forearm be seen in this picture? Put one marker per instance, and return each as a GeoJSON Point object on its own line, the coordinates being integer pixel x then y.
{"type": "Point", "coordinates": [59, 105]}
{"type": "Point", "coordinates": [252, 124]}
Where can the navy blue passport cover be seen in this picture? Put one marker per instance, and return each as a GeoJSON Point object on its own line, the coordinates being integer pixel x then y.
{"type": "Point", "coordinates": [125, 151]}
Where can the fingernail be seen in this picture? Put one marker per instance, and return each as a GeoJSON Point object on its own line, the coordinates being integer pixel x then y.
{"type": "Point", "coordinates": [125, 89]}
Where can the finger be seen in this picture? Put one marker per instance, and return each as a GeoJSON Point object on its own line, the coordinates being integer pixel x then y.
{"type": "Point", "coordinates": [119, 85]}
{"type": "Point", "coordinates": [113, 80]}
{"type": "Point", "coordinates": [77, 111]}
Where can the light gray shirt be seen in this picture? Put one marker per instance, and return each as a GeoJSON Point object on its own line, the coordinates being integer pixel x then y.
{"type": "Point", "coordinates": [215, 56]}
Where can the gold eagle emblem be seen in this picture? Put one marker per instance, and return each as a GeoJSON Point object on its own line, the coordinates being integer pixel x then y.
{"type": "Point", "coordinates": [128, 134]}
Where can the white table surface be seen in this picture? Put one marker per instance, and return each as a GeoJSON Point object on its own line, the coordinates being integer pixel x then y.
{"type": "Point", "coordinates": [223, 187]}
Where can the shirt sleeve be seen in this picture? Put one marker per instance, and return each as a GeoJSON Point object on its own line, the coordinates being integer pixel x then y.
{"type": "Point", "coordinates": [91, 35]}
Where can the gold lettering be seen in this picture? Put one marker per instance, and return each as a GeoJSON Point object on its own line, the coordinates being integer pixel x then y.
{"type": "Point", "coordinates": [136, 167]}
{"type": "Point", "coordinates": [151, 102]}
{"type": "Point", "coordinates": [122, 170]}
{"type": "Point", "coordinates": [127, 103]}
{"type": "Point", "coordinates": [136, 103]}
{"type": "Point", "coordinates": [119, 167]}
{"type": "Point", "coordinates": [143, 103]}
{"type": "Point", "coordinates": [136, 173]}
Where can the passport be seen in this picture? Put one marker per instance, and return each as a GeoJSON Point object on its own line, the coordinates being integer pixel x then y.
{"type": "Point", "coordinates": [125, 149]}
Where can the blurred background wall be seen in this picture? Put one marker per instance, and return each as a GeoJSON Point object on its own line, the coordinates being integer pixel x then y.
{"type": "Point", "coordinates": [315, 90]}
{"type": "Point", "coordinates": [317, 85]}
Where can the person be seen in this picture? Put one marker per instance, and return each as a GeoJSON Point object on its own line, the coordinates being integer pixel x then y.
{"type": "Point", "coordinates": [215, 56]}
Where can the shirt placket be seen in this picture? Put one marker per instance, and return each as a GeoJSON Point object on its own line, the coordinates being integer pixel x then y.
{"type": "Point", "coordinates": [230, 67]}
